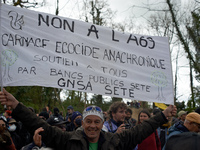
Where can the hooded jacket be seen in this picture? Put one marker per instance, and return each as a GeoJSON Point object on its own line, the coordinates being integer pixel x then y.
{"type": "Point", "coordinates": [112, 125]}
{"type": "Point", "coordinates": [77, 140]}
{"type": "Point", "coordinates": [174, 130]}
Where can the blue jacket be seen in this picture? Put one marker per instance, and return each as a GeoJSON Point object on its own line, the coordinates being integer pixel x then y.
{"type": "Point", "coordinates": [112, 125]}
{"type": "Point", "coordinates": [176, 129]}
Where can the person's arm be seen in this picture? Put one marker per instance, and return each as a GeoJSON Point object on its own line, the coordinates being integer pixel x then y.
{"type": "Point", "coordinates": [170, 111]}
{"type": "Point", "coordinates": [8, 99]}
{"type": "Point", "coordinates": [52, 136]}
{"type": "Point", "coordinates": [136, 135]}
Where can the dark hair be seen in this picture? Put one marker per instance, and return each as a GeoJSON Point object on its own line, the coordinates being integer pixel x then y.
{"type": "Point", "coordinates": [115, 106]}
{"type": "Point", "coordinates": [44, 115]}
{"type": "Point", "coordinates": [56, 111]}
{"type": "Point", "coordinates": [143, 111]}
{"type": "Point", "coordinates": [156, 110]}
{"type": "Point", "coordinates": [129, 110]}
{"type": "Point", "coordinates": [198, 110]}
{"type": "Point", "coordinates": [44, 109]}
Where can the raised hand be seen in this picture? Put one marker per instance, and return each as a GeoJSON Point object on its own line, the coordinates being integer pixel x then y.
{"type": "Point", "coordinates": [38, 138]}
{"type": "Point", "coordinates": [170, 111]}
{"type": "Point", "coordinates": [120, 128]}
{"type": "Point", "coordinates": [8, 99]}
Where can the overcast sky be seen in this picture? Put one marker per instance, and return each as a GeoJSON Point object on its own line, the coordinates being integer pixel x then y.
{"type": "Point", "coordinates": [69, 8]}
{"type": "Point", "coordinates": [124, 8]}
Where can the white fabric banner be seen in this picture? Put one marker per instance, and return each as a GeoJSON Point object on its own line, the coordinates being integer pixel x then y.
{"type": "Point", "coordinates": [39, 49]}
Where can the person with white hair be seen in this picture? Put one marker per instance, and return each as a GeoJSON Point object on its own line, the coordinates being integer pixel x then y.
{"type": "Point", "coordinates": [191, 124]}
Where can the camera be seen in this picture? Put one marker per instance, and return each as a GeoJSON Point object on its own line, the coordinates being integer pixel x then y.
{"type": "Point", "coordinates": [127, 126]}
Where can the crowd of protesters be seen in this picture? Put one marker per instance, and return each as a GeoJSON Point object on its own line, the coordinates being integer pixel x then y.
{"type": "Point", "coordinates": [19, 136]}
{"type": "Point", "coordinates": [118, 130]}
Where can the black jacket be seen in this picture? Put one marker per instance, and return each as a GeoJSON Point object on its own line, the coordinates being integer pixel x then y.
{"type": "Point", "coordinates": [77, 140]}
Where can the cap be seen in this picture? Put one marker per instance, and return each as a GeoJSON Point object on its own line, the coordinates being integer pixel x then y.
{"type": "Point", "coordinates": [54, 120]}
{"type": "Point", "coordinates": [44, 114]}
{"type": "Point", "coordinates": [180, 113]}
{"type": "Point", "coordinates": [70, 107]}
{"type": "Point", "coordinates": [93, 110]}
{"type": "Point", "coordinates": [193, 117]}
{"type": "Point", "coordinates": [75, 114]}
{"type": "Point", "coordinates": [11, 121]}
{"type": "Point", "coordinates": [59, 123]}
{"type": "Point", "coordinates": [56, 110]}
{"type": "Point", "coordinates": [3, 118]}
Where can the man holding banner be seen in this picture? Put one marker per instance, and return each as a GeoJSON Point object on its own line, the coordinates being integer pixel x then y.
{"type": "Point", "coordinates": [91, 137]}
{"type": "Point", "coordinates": [69, 54]}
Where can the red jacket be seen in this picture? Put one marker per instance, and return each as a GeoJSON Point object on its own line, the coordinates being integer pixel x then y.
{"type": "Point", "coordinates": [8, 147]}
{"type": "Point", "coordinates": [6, 142]}
{"type": "Point", "coordinates": [150, 143]}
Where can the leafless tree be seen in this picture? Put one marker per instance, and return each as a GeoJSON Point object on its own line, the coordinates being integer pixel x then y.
{"type": "Point", "coordinates": [25, 3]}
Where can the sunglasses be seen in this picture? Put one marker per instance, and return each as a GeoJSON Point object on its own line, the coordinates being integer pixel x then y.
{"type": "Point", "coordinates": [93, 108]}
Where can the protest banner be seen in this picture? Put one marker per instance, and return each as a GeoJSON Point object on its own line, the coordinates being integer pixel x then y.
{"type": "Point", "coordinates": [40, 49]}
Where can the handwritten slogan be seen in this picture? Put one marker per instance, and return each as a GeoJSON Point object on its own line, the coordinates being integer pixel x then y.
{"type": "Point", "coordinates": [39, 49]}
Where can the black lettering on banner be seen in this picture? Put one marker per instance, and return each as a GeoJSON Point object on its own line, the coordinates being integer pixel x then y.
{"type": "Point", "coordinates": [55, 59]}
{"type": "Point", "coordinates": [56, 22]}
{"type": "Point", "coordinates": [142, 41]}
{"type": "Point", "coordinates": [123, 57]}
{"type": "Point", "coordinates": [93, 29]}
{"type": "Point", "coordinates": [161, 63]}
{"type": "Point", "coordinates": [104, 80]}
{"type": "Point", "coordinates": [74, 84]}
{"type": "Point", "coordinates": [119, 91]}
{"type": "Point", "coordinates": [41, 18]}
{"type": "Point", "coordinates": [109, 91]}
{"type": "Point", "coordinates": [64, 24]}
{"type": "Point", "coordinates": [115, 90]}
{"type": "Point", "coordinates": [153, 42]}
{"type": "Point", "coordinates": [140, 87]}
{"type": "Point", "coordinates": [66, 74]}
{"type": "Point", "coordinates": [133, 39]}
{"type": "Point", "coordinates": [23, 41]}
{"type": "Point", "coordinates": [24, 70]}
{"type": "Point", "coordinates": [78, 49]}
{"type": "Point", "coordinates": [113, 36]}
{"type": "Point", "coordinates": [115, 72]}
{"type": "Point", "coordinates": [113, 55]}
